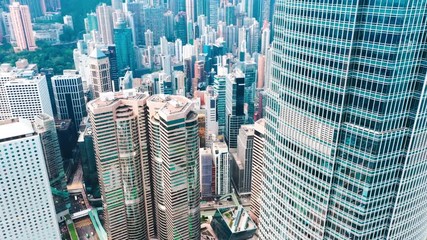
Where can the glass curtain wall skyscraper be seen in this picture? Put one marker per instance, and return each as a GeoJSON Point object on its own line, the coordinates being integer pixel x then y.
{"type": "Point", "coordinates": [346, 121]}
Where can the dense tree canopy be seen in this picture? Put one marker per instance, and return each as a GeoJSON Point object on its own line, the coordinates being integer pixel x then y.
{"type": "Point", "coordinates": [58, 57]}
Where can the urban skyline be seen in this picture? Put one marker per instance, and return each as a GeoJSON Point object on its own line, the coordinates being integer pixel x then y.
{"type": "Point", "coordinates": [209, 119]}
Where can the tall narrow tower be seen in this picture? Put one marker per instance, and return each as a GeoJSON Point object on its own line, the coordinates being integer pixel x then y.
{"type": "Point", "coordinates": [22, 28]}
{"type": "Point", "coordinates": [345, 119]}
{"type": "Point", "coordinates": [118, 123]}
{"type": "Point", "coordinates": [174, 144]}
{"type": "Point", "coordinates": [104, 14]}
{"type": "Point", "coordinates": [44, 125]}
{"type": "Point", "coordinates": [99, 65]}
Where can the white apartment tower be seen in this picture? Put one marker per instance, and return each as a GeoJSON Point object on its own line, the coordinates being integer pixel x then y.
{"type": "Point", "coordinates": [104, 14]}
{"type": "Point", "coordinates": [27, 209]}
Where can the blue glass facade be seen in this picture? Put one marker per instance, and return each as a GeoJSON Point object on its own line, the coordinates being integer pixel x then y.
{"type": "Point", "coordinates": [345, 121]}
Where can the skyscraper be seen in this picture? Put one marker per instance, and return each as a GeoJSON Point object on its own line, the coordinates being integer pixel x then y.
{"type": "Point", "coordinates": [206, 172]}
{"type": "Point", "coordinates": [181, 27]}
{"type": "Point", "coordinates": [120, 143]}
{"type": "Point", "coordinates": [221, 161]}
{"type": "Point", "coordinates": [190, 10]}
{"type": "Point", "coordinates": [92, 22]}
{"type": "Point", "coordinates": [257, 167]}
{"type": "Point", "coordinates": [26, 202]}
{"type": "Point", "coordinates": [345, 122]}
{"type": "Point", "coordinates": [69, 96]}
{"type": "Point", "coordinates": [242, 165]}
{"type": "Point", "coordinates": [234, 106]}
{"type": "Point", "coordinates": [28, 97]}
{"type": "Point", "coordinates": [35, 7]}
{"type": "Point", "coordinates": [174, 146]}
{"type": "Point", "coordinates": [169, 23]}
{"type": "Point", "coordinates": [44, 125]}
{"type": "Point", "coordinates": [22, 29]}
{"type": "Point", "coordinates": [100, 72]}
{"type": "Point", "coordinates": [124, 48]}
{"type": "Point", "coordinates": [220, 92]}
{"type": "Point", "coordinates": [104, 14]}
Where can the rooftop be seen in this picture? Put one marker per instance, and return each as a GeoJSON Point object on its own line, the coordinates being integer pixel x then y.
{"type": "Point", "coordinates": [247, 129]}
{"type": "Point", "coordinates": [109, 98]}
{"type": "Point", "coordinates": [97, 53]}
{"type": "Point", "coordinates": [237, 219]}
{"type": "Point", "coordinates": [172, 106]}
{"type": "Point", "coordinates": [15, 127]}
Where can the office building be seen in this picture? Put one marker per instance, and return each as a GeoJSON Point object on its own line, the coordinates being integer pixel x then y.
{"type": "Point", "coordinates": [250, 70]}
{"type": "Point", "coordinates": [206, 166]}
{"type": "Point", "coordinates": [48, 72]}
{"type": "Point", "coordinates": [137, 20]}
{"type": "Point", "coordinates": [220, 92]}
{"type": "Point", "coordinates": [221, 161]}
{"type": "Point", "coordinates": [44, 126]}
{"type": "Point", "coordinates": [234, 106]}
{"type": "Point", "coordinates": [175, 158]}
{"type": "Point", "coordinates": [242, 160]}
{"type": "Point", "coordinates": [22, 29]}
{"type": "Point", "coordinates": [28, 97]}
{"type": "Point", "coordinates": [169, 26]}
{"type": "Point", "coordinates": [99, 66]}
{"type": "Point", "coordinates": [88, 160]}
{"type": "Point", "coordinates": [67, 137]}
{"type": "Point", "coordinates": [69, 96]}
{"type": "Point", "coordinates": [26, 202]}
{"type": "Point", "coordinates": [119, 138]}
{"type": "Point", "coordinates": [181, 27]}
{"type": "Point", "coordinates": [211, 108]}
{"type": "Point", "coordinates": [257, 168]}
{"type": "Point", "coordinates": [345, 146]}
{"type": "Point", "coordinates": [104, 15]}
{"type": "Point", "coordinates": [124, 48]}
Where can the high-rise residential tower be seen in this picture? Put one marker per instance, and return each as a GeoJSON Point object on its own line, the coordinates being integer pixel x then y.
{"type": "Point", "coordinates": [346, 122]}
{"type": "Point", "coordinates": [118, 122]}
{"type": "Point", "coordinates": [26, 203]}
{"type": "Point", "coordinates": [174, 145]}
{"type": "Point", "coordinates": [22, 29]}
{"type": "Point", "coordinates": [104, 15]}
